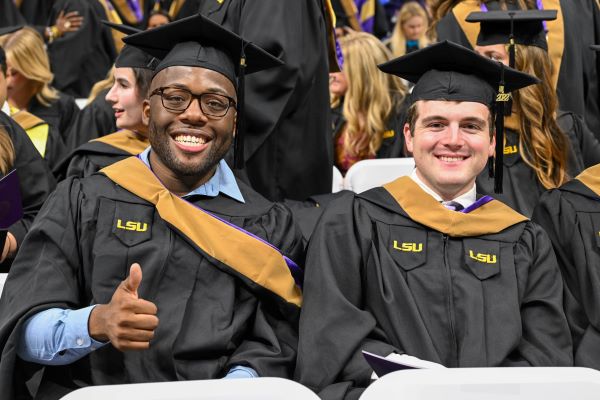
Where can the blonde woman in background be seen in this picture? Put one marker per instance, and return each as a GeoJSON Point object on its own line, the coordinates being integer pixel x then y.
{"type": "Point", "coordinates": [410, 31]}
{"type": "Point", "coordinates": [544, 147]}
{"type": "Point", "coordinates": [366, 103]}
{"type": "Point", "coordinates": [29, 78]}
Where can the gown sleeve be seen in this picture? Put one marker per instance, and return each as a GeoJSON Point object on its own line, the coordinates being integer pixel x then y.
{"type": "Point", "coordinates": [333, 326]}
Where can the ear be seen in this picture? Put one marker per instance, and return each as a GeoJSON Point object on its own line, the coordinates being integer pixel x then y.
{"type": "Point", "coordinates": [408, 138]}
{"type": "Point", "coordinates": [146, 112]}
{"type": "Point", "coordinates": [492, 148]}
{"type": "Point", "coordinates": [235, 124]}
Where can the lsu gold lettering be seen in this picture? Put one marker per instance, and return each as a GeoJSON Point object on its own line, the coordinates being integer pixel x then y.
{"type": "Point", "coordinates": [132, 226]}
{"type": "Point", "coordinates": [483, 258]}
{"type": "Point", "coordinates": [408, 247]}
{"type": "Point", "coordinates": [389, 134]}
{"type": "Point", "coordinates": [510, 149]}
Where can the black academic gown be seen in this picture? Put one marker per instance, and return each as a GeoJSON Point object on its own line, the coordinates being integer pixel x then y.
{"type": "Point", "coordinates": [91, 157]}
{"type": "Point", "coordinates": [36, 12]}
{"type": "Point", "coordinates": [93, 121]}
{"type": "Point", "coordinates": [577, 87]}
{"type": "Point", "coordinates": [80, 59]}
{"type": "Point", "coordinates": [571, 217]}
{"type": "Point", "coordinates": [287, 108]}
{"type": "Point", "coordinates": [60, 115]}
{"type": "Point", "coordinates": [54, 150]}
{"type": "Point", "coordinates": [236, 306]}
{"type": "Point", "coordinates": [392, 270]}
{"type": "Point", "coordinates": [521, 188]}
{"type": "Point", "coordinates": [10, 14]}
{"type": "Point", "coordinates": [36, 181]}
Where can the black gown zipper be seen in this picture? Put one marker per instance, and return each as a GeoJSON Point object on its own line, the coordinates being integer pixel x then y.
{"type": "Point", "coordinates": [450, 306]}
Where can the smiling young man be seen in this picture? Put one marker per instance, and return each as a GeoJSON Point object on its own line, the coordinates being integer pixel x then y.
{"type": "Point", "coordinates": [423, 265]}
{"type": "Point", "coordinates": [163, 266]}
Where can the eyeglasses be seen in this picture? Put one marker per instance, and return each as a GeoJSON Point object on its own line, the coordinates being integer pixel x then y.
{"type": "Point", "coordinates": [179, 99]}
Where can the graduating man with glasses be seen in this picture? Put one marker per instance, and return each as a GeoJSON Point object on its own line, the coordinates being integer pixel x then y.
{"type": "Point", "coordinates": [163, 266]}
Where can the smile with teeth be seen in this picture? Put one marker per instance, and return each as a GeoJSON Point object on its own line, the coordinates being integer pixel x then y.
{"type": "Point", "coordinates": [190, 140]}
{"type": "Point", "coordinates": [451, 158]}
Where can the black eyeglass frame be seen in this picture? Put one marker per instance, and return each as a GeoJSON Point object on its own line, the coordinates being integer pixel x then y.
{"type": "Point", "coordinates": [159, 91]}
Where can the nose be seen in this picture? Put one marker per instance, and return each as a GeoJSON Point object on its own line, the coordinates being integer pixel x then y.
{"type": "Point", "coordinates": [111, 96]}
{"type": "Point", "coordinates": [193, 113]}
{"type": "Point", "coordinates": [453, 137]}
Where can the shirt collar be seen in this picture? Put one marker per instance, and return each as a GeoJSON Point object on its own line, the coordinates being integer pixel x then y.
{"type": "Point", "coordinates": [465, 199]}
{"type": "Point", "coordinates": [223, 181]}
{"type": "Point", "coordinates": [6, 108]}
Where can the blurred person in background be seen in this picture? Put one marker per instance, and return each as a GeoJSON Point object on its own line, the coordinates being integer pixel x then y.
{"type": "Point", "coordinates": [366, 103]}
{"type": "Point", "coordinates": [575, 71]}
{"type": "Point", "coordinates": [29, 81]}
{"type": "Point", "coordinates": [35, 180]}
{"type": "Point", "coordinates": [544, 146]}
{"type": "Point", "coordinates": [132, 76]}
{"type": "Point", "coordinates": [45, 137]}
{"type": "Point", "coordinates": [410, 30]}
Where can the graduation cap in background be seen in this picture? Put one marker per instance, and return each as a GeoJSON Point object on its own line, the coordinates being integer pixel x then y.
{"type": "Point", "coordinates": [450, 72]}
{"type": "Point", "coordinates": [6, 31]}
{"type": "Point", "coordinates": [512, 27]}
{"type": "Point", "coordinates": [131, 57]}
{"type": "Point", "coordinates": [197, 41]}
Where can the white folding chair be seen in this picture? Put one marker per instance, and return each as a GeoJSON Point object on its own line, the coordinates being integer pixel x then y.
{"type": "Point", "coordinates": [338, 180]}
{"type": "Point", "coordinates": [215, 389]}
{"type": "Point", "coordinates": [539, 383]}
{"type": "Point", "coordinates": [367, 174]}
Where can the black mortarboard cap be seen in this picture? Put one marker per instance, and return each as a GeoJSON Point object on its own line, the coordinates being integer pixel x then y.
{"type": "Point", "coordinates": [512, 27]}
{"type": "Point", "coordinates": [5, 31]}
{"type": "Point", "coordinates": [197, 41]}
{"type": "Point", "coordinates": [132, 57]}
{"type": "Point", "coordinates": [448, 71]}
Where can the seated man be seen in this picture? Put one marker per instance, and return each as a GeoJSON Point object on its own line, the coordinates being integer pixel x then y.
{"type": "Point", "coordinates": [571, 216]}
{"type": "Point", "coordinates": [164, 253]}
{"type": "Point", "coordinates": [423, 266]}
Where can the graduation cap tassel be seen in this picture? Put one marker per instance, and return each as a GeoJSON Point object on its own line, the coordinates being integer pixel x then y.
{"type": "Point", "coordinates": [501, 99]}
{"type": "Point", "coordinates": [511, 45]}
{"type": "Point", "coordinates": [238, 144]}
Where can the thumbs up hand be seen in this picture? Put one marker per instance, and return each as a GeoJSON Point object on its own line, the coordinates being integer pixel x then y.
{"type": "Point", "coordinates": [127, 321]}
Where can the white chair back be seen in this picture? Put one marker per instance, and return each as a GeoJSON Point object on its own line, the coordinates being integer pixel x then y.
{"type": "Point", "coordinates": [541, 383]}
{"type": "Point", "coordinates": [215, 389]}
{"type": "Point", "coordinates": [338, 180]}
{"type": "Point", "coordinates": [367, 174]}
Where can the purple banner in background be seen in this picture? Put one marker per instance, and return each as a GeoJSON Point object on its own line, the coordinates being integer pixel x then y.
{"type": "Point", "coordinates": [11, 209]}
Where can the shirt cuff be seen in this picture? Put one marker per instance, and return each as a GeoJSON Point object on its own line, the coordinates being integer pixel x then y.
{"type": "Point", "coordinates": [76, 334]}
{"type": "Point", "coordinates": [241, 372]}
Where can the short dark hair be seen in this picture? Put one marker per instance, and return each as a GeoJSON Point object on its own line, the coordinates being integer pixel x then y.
{"type": "Point", "coordinates": [143, 78]}
{"type": "Point", "coordinates": [412, 115]}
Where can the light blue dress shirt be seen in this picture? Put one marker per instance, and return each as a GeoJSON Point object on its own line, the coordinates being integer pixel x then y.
{"type": "Point", "coordinates": [60, 336]}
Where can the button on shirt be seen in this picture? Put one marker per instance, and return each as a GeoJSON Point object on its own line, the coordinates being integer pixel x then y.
{"type": "Point", "coordinates": [60, 336]}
